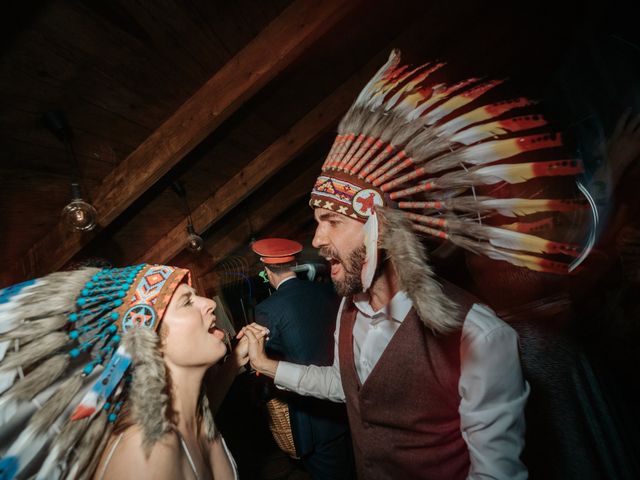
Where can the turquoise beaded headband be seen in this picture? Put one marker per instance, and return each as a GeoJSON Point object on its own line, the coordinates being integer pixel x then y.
{"type": "Point", "coordinates": [133, 297]}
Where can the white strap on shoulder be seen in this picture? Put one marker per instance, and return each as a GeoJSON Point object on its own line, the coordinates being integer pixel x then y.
{"type": "Point", "coordinates": [110, 456]}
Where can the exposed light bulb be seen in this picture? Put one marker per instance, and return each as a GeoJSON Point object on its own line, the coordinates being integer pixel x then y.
{"type": "Point", "coordinates": [195, 242]}
{"type": "Point", "coordinates": [79, 215]}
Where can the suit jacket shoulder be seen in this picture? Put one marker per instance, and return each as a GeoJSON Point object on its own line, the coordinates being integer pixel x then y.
{"type": "Point", "coordinates": [301, 316]}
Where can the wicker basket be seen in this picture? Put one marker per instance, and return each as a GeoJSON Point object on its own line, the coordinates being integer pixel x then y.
{"type": "Point", "coordinates": [280, 426]}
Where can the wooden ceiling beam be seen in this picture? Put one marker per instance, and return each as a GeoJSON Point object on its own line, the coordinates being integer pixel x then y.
{"type": "Point", "coordinates": [274, 158]}
{"type": "Point", "coordinates": [224, 242]}
{"type": "Point", "coordinates": [277, 46]}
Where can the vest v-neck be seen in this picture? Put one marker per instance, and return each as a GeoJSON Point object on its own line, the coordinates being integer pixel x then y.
{"type": "Point", "coordinates": [351, 320]}
{"type": "Point", "coordinates": [404, 417]}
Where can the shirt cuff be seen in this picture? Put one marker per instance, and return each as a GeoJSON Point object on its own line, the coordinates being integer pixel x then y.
{"type": "Point", "coordinates": [288, 375]}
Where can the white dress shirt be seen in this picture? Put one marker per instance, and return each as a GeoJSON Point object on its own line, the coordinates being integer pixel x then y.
{"type": "Point", "coordinates": [492, 391]}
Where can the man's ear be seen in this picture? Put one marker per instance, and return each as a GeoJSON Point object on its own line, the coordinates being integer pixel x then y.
{"type": "Point", "coordinates": [270, 275]}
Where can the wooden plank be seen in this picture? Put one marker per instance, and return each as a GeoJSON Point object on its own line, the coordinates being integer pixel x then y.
{"type": "Point", "coordinates": [24, 155]}
{"type": "Point", "coordinates": [32, 95]}
{"type": "Point", "coordinates": [279, 44]}
{"type": "Point", "coordinates": [275, 157]}
{"type": "Point", "coordinates": [103, 44]}
{"type": "Point", "coordinates": [226, 241]}
{"type": "Point", "coordinates": [169, 28]}
{"type": "Point", "coordinates": [229, 23]}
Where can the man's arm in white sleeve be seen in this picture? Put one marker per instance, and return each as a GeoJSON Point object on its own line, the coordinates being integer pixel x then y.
{"type": "Point", "coordinates": [493, 396]}
{"type": "Point", "coordinates": [311, 380]}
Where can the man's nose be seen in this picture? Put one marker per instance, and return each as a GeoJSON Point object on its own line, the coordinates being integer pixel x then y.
{"type": "Point", "coordinates": [319, 239]}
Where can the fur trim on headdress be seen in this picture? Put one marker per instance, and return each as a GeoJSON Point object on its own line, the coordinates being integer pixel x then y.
{"type": "Point", "coordinates": [415, 275]}
{"type": "Point", "coordinates": [207, 419]}
{"type": "Point", "coordinates": [149, 397]}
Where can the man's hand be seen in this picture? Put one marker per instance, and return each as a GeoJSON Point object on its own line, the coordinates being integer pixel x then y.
{"type": "Point", "coordinates": [240, 354]}
{"type": "Point", "coordinates": [255, 334]}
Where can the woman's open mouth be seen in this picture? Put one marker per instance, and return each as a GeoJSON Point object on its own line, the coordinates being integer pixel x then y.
{"type": "Point", "coordinates": [215, 331]}
{"type": "Point", "coordinates": [212, 325]}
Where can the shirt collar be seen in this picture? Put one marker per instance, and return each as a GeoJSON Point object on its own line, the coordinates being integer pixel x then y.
{"type": "Point", "coordinates": [285, 280]}
{"type": "Point", "coordinates": [397, 309]}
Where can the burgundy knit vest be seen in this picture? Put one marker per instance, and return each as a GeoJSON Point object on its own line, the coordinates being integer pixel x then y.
{"type": "Point", "coordinates": [404, 420]}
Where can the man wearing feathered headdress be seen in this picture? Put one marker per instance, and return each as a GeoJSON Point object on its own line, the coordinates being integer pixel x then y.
{"type": "Point", "coordinates": [431, 378]}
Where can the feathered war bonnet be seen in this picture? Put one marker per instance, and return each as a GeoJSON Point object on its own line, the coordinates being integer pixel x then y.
{"type": "Point", "coordinates": [74, 347]}
{"type": "Point", "coordinates": [415, 157]}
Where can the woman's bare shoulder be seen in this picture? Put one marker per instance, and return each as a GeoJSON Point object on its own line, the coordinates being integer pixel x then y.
{"type": "Point", "coordinates": [130, 460]}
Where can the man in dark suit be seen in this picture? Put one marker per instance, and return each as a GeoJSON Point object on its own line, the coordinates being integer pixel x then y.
{"type": "Point", "coordinates": [301, 315]}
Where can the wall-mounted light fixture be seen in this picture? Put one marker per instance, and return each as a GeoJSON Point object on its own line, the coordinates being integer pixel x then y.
{"type": "Point", "coordinates": [194, 241]}
{"type": "Point", "coordinates": [78, 215]}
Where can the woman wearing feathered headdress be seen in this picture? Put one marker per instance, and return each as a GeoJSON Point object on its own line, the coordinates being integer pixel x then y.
{"type": "Point", "coordinates": [101, 377]}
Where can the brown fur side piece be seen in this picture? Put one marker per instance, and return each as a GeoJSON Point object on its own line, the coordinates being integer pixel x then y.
{"type": "Point", "coordinates": [149, 398]}
{"type": "Point", "coordinates": [416, 277]}
{"type": "Point", "coordinates": [207, 419]}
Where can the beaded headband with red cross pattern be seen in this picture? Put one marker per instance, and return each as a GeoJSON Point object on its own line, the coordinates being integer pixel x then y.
{"type": "Point", "coordinates": [420, 146]}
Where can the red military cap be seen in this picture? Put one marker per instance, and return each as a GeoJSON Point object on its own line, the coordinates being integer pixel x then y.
{"type": "Point", "coordinates": [274, 251]}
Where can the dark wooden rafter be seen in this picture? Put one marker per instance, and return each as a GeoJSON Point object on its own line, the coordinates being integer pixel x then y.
{"type": "Point", "coordinates": [277, 46]}
{"type": "Point", "coordinates": [264, 214]}
{"type": "Point", "coordinates": [275, 157]}
{"type": "Point", "coordinates": [224, 242]}
{"type": "Point", "coordinates": [308, 129]}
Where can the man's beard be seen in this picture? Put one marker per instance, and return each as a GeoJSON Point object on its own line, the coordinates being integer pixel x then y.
{"type": "Point", "coordinates": [352, 266]}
